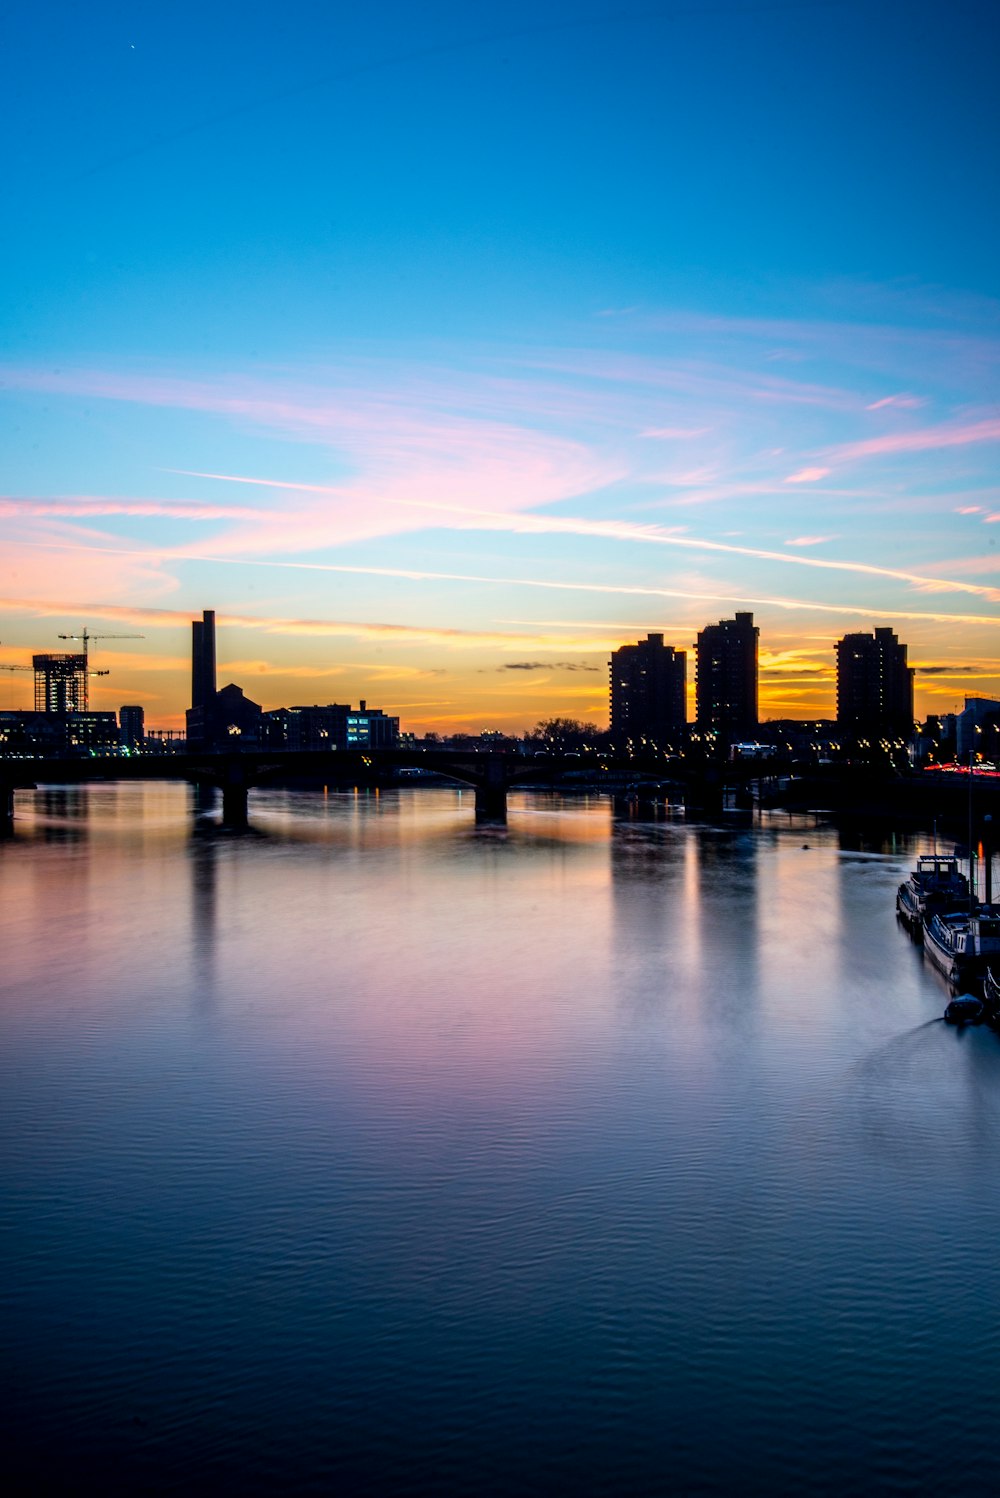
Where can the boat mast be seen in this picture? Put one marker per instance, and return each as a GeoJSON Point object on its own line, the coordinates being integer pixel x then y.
{"type": "Point", "coordinates": [972, 856]}
{"type": "Point", "coordinates": [987, 860]}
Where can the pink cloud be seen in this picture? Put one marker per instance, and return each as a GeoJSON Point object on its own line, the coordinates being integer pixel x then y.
{"type": "Point", "coordinates": [809, 540]}
{"type": "Point", "coordinates": [420, 574]}
{"type": "Point", "coordinates": [34, 566]}
{"type": "Point", "coordinates": [807, 476]}
{"type": "Point", "coordinates": [404, 449]}
{"type": "Point", "coordinates": [902, 402]}
{"type": "Point", "coordinates": [926, 439]}
{"type": "Point", "coordinates": [80, 507]}
{"type": "Point", "coordinates": [969, 510]}
{"type": "Point", "coordinates": [693, 378]}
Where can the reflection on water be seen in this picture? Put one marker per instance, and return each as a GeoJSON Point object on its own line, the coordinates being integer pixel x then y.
{"type": "Point", "coordinates": [377, 1151]}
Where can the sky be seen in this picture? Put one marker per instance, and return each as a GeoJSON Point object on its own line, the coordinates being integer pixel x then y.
{"type": "Point", "coordinates": [443, 349]}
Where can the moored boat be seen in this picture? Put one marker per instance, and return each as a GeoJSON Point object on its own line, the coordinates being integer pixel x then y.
{"type": "Point", "coordinates": [991, 992]}
{"type": "Point", "coordinates": [936, 884]}
{"type": "Point", "coordinates": [965, 1010]}
{"type": "Point", "coordinates": [963, 944]}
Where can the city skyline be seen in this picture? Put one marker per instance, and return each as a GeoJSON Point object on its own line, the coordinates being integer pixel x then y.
{"type": "Point", "coordinates": [648, 692]}
{"type": "Point", "coordinates": [453, 358]}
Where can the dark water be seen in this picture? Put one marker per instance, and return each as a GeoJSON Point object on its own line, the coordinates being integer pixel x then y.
{"type": "Point", "coordinates": [369, 1153]}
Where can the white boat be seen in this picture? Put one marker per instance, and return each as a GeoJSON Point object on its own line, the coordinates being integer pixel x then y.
{"type": "Point", "coordinates": [962, 945]}
{"type": "Point", "coordinates": [935, 884]}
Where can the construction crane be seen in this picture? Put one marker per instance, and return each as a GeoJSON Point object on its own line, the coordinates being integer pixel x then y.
{"type": "Point", "coordinates": [85, 639]}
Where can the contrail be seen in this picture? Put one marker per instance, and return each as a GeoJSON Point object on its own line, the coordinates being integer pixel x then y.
{"type": "Point", "coordinates": [617, 530]}
{"type": "Point", "coordinates": [614, 589]}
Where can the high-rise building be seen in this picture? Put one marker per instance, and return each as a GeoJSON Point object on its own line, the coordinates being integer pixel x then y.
{"type": "Point", "coordinates": [60, 683]}
{"type": "Point", "coordinates": [132, 727]}
{"type": "Point", "coordinates": [874, 687]}
{"type": "Point", "coordinates": [648, 682]}
{"type": "Point", "coordinates": [726, 680]}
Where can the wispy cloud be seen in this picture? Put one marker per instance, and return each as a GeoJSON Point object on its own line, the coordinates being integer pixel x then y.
{"type": "Point", "coordinates": [403, 447]}
{"type": "Point", "coordinates": [809, 540]}
{"type": "Point", "coordinates": [404, 634]}
{"type": "Point", "coordinates": [86, 506]}
{"type": "Point", "coordinates": [419, 574]}
{"type": "Point", "coordinates": [479, 518]}
{"type": "Point", "coordinates": [925, 439]}
{"type": "Point", "coordinates": [807, 476]}
{"type": "Point", "coordinates": [546, 666]}
{"type": "Point", "coordinates": [903, 402]}
{"type": "Point", "coordinates": [953, 671]}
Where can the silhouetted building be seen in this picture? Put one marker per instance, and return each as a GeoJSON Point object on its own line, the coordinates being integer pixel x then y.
{"type": "Point", "coordinates": [132, 727]}
{"type": "Point", "coordinates": [203, 659]}
{"type": "Point", "coordinates": [934, 741]}
{"type": "Point", "coordinates": [60, 683]}
{"type": "Point", "coordinates": [313, 728]}
{"type": "Point", "coordinates": [726, 680]}
{"type": "Point", "coordinates": [874, 687]}
{"type": "Point", "coordinates": [648, 684]}
{"type": "Point", "coordinates": [232, 720]}
{"type": "Point", "coordinates": [335, 726]}
{"type": "Point", "coordinates": [55, 733]}
{"type": "Point", "coordinates": [225, 719]}
{"type": "Point", "coordinates": [975, 728]}
{"type": "Point", "coordinates": [371, 728]}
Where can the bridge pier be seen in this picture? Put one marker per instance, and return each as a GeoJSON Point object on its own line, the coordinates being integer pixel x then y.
{"type": "Point", "coordinates": [6, 810]}
{"type": "Point", "coordinates": [705, 795]}
{"type": "Point", "coordinates": [234, 807]}
{"type": "Point", "coordinates": [491, 792]}
{"type": "Point", "coordinates": [234, 795]}
{"type": "Point", "coordinates": [491, 805]}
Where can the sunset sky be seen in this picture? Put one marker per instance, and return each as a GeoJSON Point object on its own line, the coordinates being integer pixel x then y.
{"type": "Point", "coordinates": [442, 349]}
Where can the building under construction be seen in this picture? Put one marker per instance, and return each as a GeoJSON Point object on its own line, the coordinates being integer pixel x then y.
{"type": "Point", "coordinates": [60, 683]}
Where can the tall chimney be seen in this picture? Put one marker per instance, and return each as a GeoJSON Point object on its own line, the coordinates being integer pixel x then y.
{"type": "Point", "coordinates": [203, 659]}
{"type": "Point", "coordinates": [197, 669]}
{"type": "Point", "coordinates": [208, 646]}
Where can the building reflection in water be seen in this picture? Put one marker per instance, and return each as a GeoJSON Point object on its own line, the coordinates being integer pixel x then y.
{"type": "Point", "coordinates": [727, 914]}
{"type": "Point", "coordinates": [205, 799]}
{"type": "Point", "coordinates": [649, 857]}
{"type": "Point", "coordinates": [686, 921]}
{"type": "Point", "coordinates": [62, 813]}
{"type": "Point", "coordinates": [203, 855]}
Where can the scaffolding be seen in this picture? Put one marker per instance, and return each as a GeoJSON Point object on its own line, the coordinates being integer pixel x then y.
{"type": "Point", "coordinates": [60, 683]}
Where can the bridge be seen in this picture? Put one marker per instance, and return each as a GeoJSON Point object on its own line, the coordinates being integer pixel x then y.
{"type": "Point", "coordinates": [703, 786]}
{"type": "Point", "coordinates": [491, 774]}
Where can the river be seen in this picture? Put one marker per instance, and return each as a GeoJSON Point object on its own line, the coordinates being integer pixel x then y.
{"type": "Point", "coordinates": [371, 1152]}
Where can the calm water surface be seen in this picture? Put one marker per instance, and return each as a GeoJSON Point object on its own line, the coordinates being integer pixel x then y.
{"type": "Point", "coordinates": [369, 1152]}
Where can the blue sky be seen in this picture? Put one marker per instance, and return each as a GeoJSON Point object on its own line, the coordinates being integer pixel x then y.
{"type": "Point", "coordinates": [442, 350]}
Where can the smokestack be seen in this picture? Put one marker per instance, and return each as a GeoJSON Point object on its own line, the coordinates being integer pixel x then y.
{"type": "Point", "coordinates": [208, 646]}
{"type": "Point", "coordinates": [203, 659]}
{"type": "Point", "coordinates": [197, 672]}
